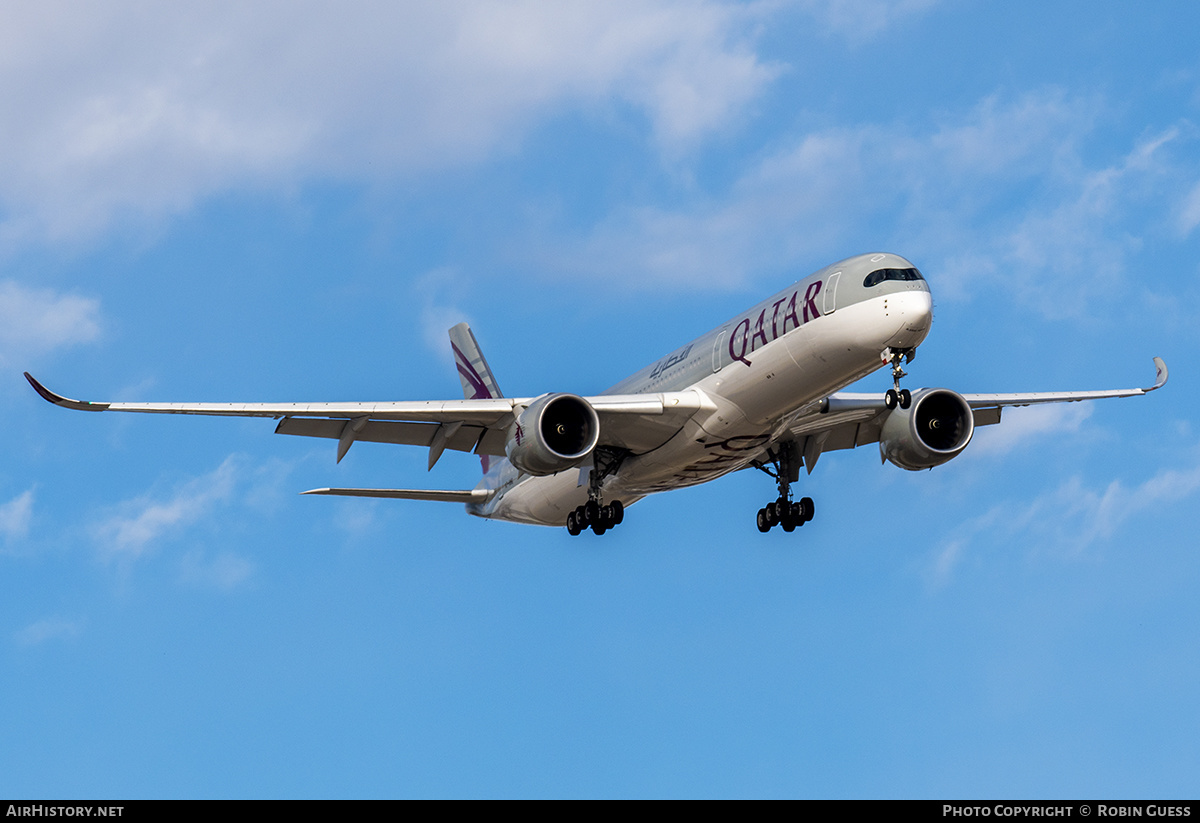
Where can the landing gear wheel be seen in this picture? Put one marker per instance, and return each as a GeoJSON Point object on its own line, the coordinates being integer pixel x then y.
{"type": "Point", "coordinates": [807, 508]}
{"type": "Point", "coordinates": [598, 518]}
{"type": "Point", "coordinates": [905, 398]}
{"type": "Point", "coordinates": [891, 399]}
{"type": "Point", "coordinates": [784, 459]}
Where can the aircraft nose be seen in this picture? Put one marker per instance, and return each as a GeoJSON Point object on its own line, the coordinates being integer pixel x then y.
{"type": "Point", "coordinates": [914, 310]}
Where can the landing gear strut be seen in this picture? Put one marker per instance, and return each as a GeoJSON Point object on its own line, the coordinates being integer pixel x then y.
{"type": "Point", "coordinates": [897, 396]}
{"type": "Point", "coordinates": [785, 462]}
{"type": "Point", "coordinates": [594, 514]}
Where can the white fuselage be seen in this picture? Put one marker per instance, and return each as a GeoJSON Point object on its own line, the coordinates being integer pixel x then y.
{"type": "Point", "coordinates": [756, 372]}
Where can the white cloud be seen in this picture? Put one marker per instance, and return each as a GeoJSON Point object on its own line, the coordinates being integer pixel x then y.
{"type": "Point", "coordinates": [864, 19]}
{"type": "Point", "coordinates": [1022, 426]}
{"type": "Point", "coordinates": [1027, 136]}
{"type": "Point", "coordinates": [267, 490]}
{"type": "Point", "coordinates": [16, 515]}
{"type": "Point", "coordinates": [52, 628]}
{"type": "Point", "coordinates": [225, 571]}
{"type": "Point", "coordinates": [1001, 187]}
{"type": "Point", "coordinates": [1071, 518]}
{"type": "Point", "coordinates": [790, 204]}
{"type": "Point", "coordinates": [1084, 233]}
{"type": "Point", "coordinates": [128, 108]}
{"type": "Point", "coordinates": [137, 527]}
{"type": "Point", "coordinates": [1189, 211]}
{"type": "Point", "coordinates": [142, 523]}
{"type": "Point", "coordinates": [359, 518]}
{"type": "Point", "coordinates": [36, 321]}
{"type": "Point", "coordinates": [440, 291]}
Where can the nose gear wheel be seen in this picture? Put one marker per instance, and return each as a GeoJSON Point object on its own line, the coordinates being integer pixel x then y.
{"type": "Point", "coordinates": [893, 398]}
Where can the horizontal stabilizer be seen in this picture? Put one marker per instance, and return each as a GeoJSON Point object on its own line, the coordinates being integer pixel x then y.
{"type": "Point", "coordinates": [465, 496]}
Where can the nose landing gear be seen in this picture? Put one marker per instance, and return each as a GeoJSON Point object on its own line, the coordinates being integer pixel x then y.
{"type": "Point", "coordinates": [897, 396]}
{"type": "Point", "coordinates": [785, 462]}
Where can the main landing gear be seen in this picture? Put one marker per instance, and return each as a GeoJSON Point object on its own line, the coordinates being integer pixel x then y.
{"type": "Point", "coordinates": [897, 396]}
{"type": "Point", "coordinates": [785, 460]}
{"type": "Point", "coordinates": [594, 514]}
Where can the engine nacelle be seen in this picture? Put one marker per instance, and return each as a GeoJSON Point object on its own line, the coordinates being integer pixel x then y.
{"type": "Point", "coordinates": [935, 427]}
{"type": "Point", "coordinates": [556, 432]}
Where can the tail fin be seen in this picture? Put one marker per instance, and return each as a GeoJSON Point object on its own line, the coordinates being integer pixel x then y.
{"type": "Point", "coordinates": [477, 379]}
{"type": "Point", "coordinates": [474, 372]}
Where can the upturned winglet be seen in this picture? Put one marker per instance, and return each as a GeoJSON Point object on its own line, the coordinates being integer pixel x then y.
{"type": "Point", "coordinates": [1160, 374]}
{"type": "Point", "coordinates": [65, 402]}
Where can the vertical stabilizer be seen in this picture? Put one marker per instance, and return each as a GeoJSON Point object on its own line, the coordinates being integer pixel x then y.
{"type": "Point", "coordinates": [477, 378]}
{"type": "Point", "coordinates": [473, 370]}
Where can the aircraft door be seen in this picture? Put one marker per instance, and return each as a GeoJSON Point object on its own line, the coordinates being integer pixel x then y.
{"type": "Point", "coordinates": [718, 351]}
{"type": "Point", "coordinates": [831, 293]}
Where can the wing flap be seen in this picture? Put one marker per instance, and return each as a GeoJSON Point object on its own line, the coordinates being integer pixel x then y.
{"type": "Point", "coordinates": [464, 439]}
{"type": "Point", "coordinates": [384, 431]}
{"type": "Point", "coordinates": [986, 417]}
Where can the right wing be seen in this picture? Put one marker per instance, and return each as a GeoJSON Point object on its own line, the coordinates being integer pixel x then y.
{"type": "Point", "coordinates": [847, 420]}
{"type": "Point", "coordinates": [638, 422]}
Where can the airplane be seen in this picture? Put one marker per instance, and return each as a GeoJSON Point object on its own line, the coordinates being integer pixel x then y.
{"type": "Point", "coordinates": [762, 391]}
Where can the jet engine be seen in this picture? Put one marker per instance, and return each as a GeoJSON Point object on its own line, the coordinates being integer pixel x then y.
{"type": "Point", "coordinates": [555, 432]}
{"type": "Point", "coordinates": [935, 427]}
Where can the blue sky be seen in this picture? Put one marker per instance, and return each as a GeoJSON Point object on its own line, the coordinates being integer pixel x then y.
{"type": "Point", "coordinates": [275, 201]}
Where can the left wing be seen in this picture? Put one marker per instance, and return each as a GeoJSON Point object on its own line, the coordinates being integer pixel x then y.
{"type": "Point", "coordinates": [849, 419]}
{"type": "Point", "coordinates": [639, 422]}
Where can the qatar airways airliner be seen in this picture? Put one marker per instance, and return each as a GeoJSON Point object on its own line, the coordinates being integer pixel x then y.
{"type": "Point", "coordinates": [762, 390]}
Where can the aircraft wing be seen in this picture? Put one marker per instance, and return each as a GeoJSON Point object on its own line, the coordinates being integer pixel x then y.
{"type": "Point", "coordinates": [639, 422]}
{"type": "Point", "coordinates": [849, 419]}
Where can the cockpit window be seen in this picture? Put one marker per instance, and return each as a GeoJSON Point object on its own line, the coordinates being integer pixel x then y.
{"type": "Point", "coordinates": [879, 275]}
